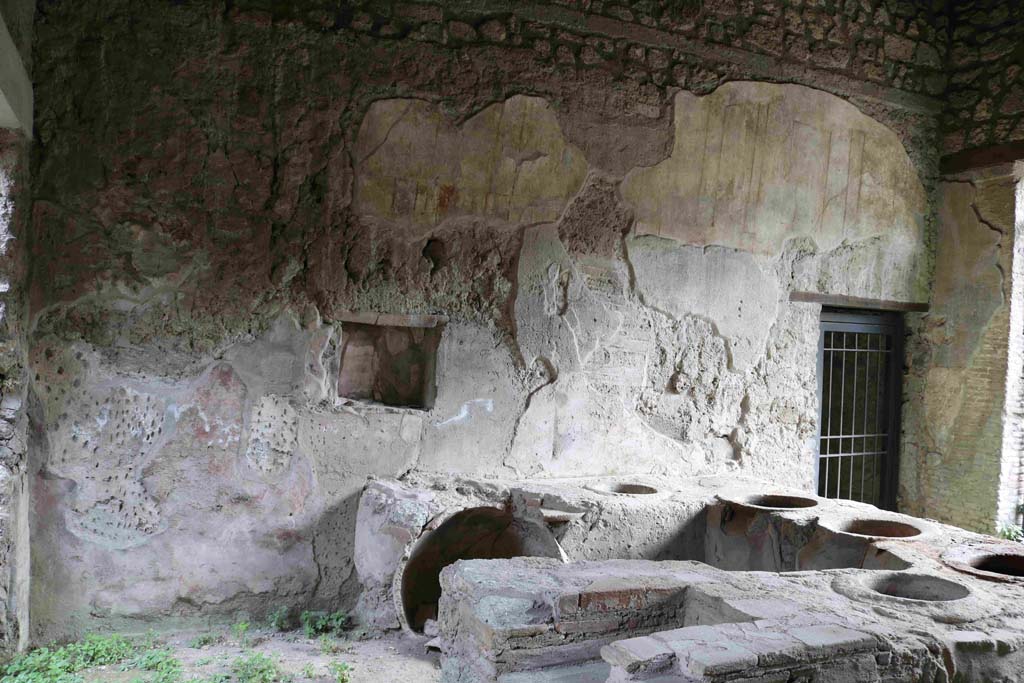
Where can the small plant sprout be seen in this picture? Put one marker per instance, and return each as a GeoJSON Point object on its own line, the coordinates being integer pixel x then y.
{"type": "Point", "coordinates": [341, 672]}
{"type": "Point", "coordinates": [317, 623]}
{"type": "Point", "coordinates": [1011, 532]}
{"type": "Point", "coordinates": [241, 633]}
{"type": "Point", "coordinates": [204, 640]}
{"type": "Point", "coordinates": [278, 620]}
{"type": "Point", "coordinates": [258, 668]}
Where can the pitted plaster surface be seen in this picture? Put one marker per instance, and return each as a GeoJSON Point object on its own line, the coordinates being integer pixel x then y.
{"type": "Point", "coordinates": [195, 457]}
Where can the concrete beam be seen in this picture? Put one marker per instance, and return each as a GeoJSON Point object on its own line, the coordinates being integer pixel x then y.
{"type": "Point", "coordinates": [15, 86]}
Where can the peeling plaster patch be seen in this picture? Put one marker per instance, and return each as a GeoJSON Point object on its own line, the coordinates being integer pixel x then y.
{"type": "Point", "coordinates": [510, 162]}
{"type": "Point", "coordinates": [315, 378]}
{"type": "Point", "coordinates": [346, 448]}
{"type": "Point", "coordinates": [286, 360]}
{"type": "Point", "coordinates": [558, 316]}
{"type": "Point", "coordinates": [755, 164]}
{"type": "Point", "coordinates": [724, 286]}
{"type": "Point", "coordinates": [880, 267]}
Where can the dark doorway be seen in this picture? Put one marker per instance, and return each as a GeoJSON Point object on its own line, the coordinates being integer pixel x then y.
{"type": "Point", "coordinates": [860, 361]}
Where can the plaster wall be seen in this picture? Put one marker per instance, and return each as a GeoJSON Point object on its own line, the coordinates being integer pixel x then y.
{"type": "Point", "coordinates": [951, 468]}
{"type": "Point", "coordinates": [200, 239]}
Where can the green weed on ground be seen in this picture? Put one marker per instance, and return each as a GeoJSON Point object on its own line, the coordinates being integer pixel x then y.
{"type": "Point", "coordinates": [241, 633]}
{"type": "Point", "coordinates": [258, 668]}
{"type": "Point", "coordinates": [341, 672]}
{"type": "Point", "coordinates": [63, 664]}
{"type": "Point", "coordinates": [205, 639]}
{"type": "Point", "coordinates": [319, 623]}
{"type": "Point", "coordinates": [279, 619]}
{"type": "Point", "coordinates": [163, 665]}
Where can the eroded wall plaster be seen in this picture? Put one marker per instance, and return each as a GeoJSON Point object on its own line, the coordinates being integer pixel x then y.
{"type": "Point", "coordinates": [954, 390]}
{"type": "Point", "coordinates": [199, 241]}
{"type": "Point", "coordinates": [232, 487]}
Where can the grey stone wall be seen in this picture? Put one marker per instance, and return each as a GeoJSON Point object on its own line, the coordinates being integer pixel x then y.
{"type": "Point", "coordinates": [218, 189]}
{"type": "Point", "coordinates": [14, 500]}
{"type": "Point", "coordinates": [15, 209]}
{"type": "Point", "coordinates": [985, 99]}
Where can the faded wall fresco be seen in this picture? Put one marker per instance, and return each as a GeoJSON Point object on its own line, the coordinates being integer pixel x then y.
{"type": "Point", "coordinates": [754, 165]}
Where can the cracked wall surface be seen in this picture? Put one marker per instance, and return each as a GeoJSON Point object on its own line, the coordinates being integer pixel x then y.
{"type": "Point", "coordinates": [200, 239]}
{"type": "Point", "coordinates": [955, 386]}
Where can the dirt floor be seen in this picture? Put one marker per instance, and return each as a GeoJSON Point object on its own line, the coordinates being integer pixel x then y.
{"type": "Point", "coordinates": [209, 656]}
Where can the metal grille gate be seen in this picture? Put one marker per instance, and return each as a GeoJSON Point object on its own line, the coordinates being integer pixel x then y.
{"type": "Point", "coordinates": [859, 363]}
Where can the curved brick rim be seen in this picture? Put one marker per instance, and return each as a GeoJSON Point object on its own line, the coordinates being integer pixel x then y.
{"type": "Point", "coordinates": [880, 527]}
{"type": "Point", "coordinates": [779, 501]}
{"type": "Point", "coordinates": [633, 488]}
{"type": "Point", "coordinates": [774, 501]}
{"type": "Point", "coordinates": [996, 562]}
{"type": "Point", "coordinates": [932, 596]}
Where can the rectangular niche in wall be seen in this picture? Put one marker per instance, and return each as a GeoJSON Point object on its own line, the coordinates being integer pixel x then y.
{"type": "Point", "coordinates": [390, 359]}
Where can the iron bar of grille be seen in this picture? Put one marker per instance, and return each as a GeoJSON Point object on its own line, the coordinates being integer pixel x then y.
{"type": "Point", "coordinates": [863, 463]}
{"type": "Point", "coordinates": [842, 416]}
{"type": "Point", "coordinates": [827, 392]}
{"type": "Point", "coordinates": [882, 424]}
{"type": "Point", "coordinates": [853, 417]}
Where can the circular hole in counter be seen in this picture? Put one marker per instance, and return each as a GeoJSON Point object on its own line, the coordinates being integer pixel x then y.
{"type": "Point", "coordinates": [626, 488]}
{"type": "Point", "coordinates": [879, 528]}
{"type": "Point", "coordinates": [1007, 564]}
{"type": "Point", "coordinates": [780, 501]}
{"type": "Point", "coordinates": [918, 587]}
